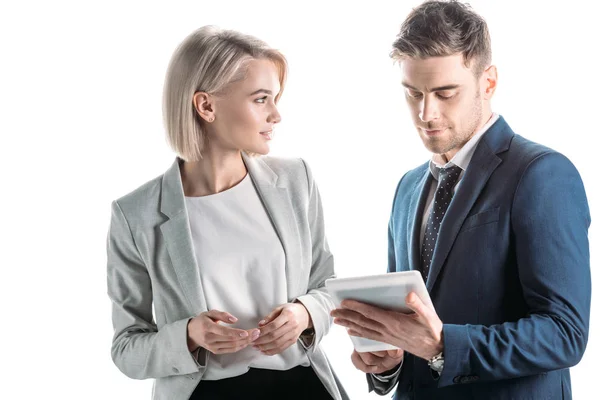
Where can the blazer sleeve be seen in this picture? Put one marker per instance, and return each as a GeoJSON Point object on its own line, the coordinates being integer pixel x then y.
{"type": "Point", "coordinates": [139, 349]}
{"type": "Point", "coordinates": [317, 301]}
{"type": "Point", "coordinates": [550, 220]}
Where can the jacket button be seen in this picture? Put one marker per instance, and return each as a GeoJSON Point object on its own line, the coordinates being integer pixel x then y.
{"type": "Point", "coordinates": [469, 378]}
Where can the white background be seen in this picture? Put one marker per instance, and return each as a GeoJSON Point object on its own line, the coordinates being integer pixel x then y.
{"type": "Point", "coordinates": [80, 125]}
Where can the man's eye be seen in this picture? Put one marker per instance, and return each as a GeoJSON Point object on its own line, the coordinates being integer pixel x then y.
{"type": "Point", "coordinates": [444, 96]}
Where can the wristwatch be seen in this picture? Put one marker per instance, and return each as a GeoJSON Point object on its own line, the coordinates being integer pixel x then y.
{"type": "Point", "coordinates": [436, 362]}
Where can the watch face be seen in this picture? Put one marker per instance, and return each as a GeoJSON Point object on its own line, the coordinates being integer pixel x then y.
{"type": "Point", "coordinates": [437, 365]}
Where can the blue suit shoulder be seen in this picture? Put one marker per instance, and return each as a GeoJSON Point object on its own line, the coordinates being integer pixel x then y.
{"type": "Point", "coordinates": [534, 162]}
{"type": "Point", "coordinates": [523, 152]}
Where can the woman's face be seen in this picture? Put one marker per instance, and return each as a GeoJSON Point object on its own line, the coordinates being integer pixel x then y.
{"type": "Point", "coordinates": [245, 113]}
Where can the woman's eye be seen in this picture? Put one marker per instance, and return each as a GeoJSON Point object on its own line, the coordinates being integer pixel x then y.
{"type": "Point", "coordinates": [261, 99]}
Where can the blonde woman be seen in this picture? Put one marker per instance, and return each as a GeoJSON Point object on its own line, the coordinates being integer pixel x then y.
{"type": "Point", "coordinates": [227, 246]}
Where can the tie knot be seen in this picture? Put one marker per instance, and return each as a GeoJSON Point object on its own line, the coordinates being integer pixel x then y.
{"type": "Point", "coordinates": [449, 176]}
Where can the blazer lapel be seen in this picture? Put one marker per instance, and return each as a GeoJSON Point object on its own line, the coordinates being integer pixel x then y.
{"type": "Point", "coordinates": [481, 167]}
{"type": "Point", "coordinates": [277, 203]}
{"type": "Point", "coordinates": [417, 204]}
{"type": "Point", "coordinates": [178, 239]}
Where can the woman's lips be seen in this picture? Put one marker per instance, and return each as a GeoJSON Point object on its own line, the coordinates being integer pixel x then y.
{"type": "Point", "coordinates": [267, 135]}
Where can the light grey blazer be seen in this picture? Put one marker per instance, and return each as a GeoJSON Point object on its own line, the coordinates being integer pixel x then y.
{"type": "Point", "coordinates": [151, 261]}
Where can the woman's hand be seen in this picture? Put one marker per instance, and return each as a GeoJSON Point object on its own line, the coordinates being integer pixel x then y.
{"type": "Point", "coordinates": [205, 331]}
{"type": "Point", "coordinates": [282, 328]}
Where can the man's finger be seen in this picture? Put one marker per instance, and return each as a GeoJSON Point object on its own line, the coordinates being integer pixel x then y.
{"type": "Point", "coordinates": [368, 311]}
{"type": "Point", "coordinates": [414, 303]}
{"type": "Point", "coordinates": [389, 363]}
{"type": "Point", "coordinates": [361, 365]}
{"type": "Point", "coordinates": [397, 353]}
{"type": "Point", "coordinates": [380, 353]}
{"type": "Point", "coordinates": [359, 331]}
{"type": "Point", "coordinates": [352, 319]}
{"type": "Point", "coordinates": [344, 313]}
{"type": "Point", "coordinates": [371, 358]}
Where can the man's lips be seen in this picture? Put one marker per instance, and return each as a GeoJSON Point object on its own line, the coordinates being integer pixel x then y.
{"type": "Point", "coordinates": [433, 132]}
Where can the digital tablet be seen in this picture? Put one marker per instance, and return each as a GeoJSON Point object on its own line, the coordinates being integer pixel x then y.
{"type": "Point", "coordinates": [386, 291]}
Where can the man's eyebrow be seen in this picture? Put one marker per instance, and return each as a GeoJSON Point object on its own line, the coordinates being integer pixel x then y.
{"type": "Point", "coordinates": [435, 89]}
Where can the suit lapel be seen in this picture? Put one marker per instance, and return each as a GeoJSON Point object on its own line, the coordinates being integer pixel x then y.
{"type": "Point", "coordinates": [277, 203]}
{"type": "Point", "coordinates": [417, 204]}
{"type": "Point", "coordinates": [178, 239]}
{"type": "Point", "coordinates": [481, 167]}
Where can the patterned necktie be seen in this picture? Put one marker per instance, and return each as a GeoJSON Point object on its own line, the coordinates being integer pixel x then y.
{"type": "Point", "coordinates": [443, 194]}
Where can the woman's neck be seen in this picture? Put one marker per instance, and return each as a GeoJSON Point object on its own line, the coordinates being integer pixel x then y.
{"type": "Point", "coordinates": [214, 173]}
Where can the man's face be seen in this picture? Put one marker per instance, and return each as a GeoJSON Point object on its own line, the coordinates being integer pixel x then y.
{"type": "Point", "coordinates": [447, 102]}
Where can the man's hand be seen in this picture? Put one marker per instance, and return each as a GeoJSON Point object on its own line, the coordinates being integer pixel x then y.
{"type": "Point", "coordinates": [377, 362]}
{"type": "Point", "coordinates": [282, 327]}
{"type": "Point", "coordinates": [205, 331]}
{"type": "Point", "coordinates": [419, 333]}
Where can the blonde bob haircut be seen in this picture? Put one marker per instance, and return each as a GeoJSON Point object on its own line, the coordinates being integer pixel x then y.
{"type": "Point", "coordinates": [207, 60]}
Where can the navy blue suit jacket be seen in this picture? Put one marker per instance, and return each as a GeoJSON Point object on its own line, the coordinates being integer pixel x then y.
{"type": "Point", "coordinates": [510, 276]}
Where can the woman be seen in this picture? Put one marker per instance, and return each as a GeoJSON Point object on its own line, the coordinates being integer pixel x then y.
{"type": "Point", "coordinates": [227, 246]}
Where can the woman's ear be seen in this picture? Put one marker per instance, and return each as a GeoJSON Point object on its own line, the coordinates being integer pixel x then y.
{"type": "Point", "coordinates": [204, 106]}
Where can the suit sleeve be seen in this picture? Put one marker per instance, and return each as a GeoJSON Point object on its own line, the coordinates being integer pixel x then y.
{"type": "Point", "coordinates": [384, 386]}
{"type": "Point", "coordinates": [550, 220]}
{"type": "Point", "coordinates": [139, 349]}
{"type": "Point", "coordinates": [317, 301]}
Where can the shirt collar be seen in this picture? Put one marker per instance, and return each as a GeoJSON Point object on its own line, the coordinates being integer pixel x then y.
{"type": "Point", "coordinates": [463, 157]}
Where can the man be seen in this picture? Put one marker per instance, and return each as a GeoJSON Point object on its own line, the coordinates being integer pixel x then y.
{"type": "Point", "coordinates": [498, 227]}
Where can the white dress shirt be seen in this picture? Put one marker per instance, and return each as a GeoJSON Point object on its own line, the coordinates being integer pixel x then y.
{"type": "Point", "coordinates": [461, 159]}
